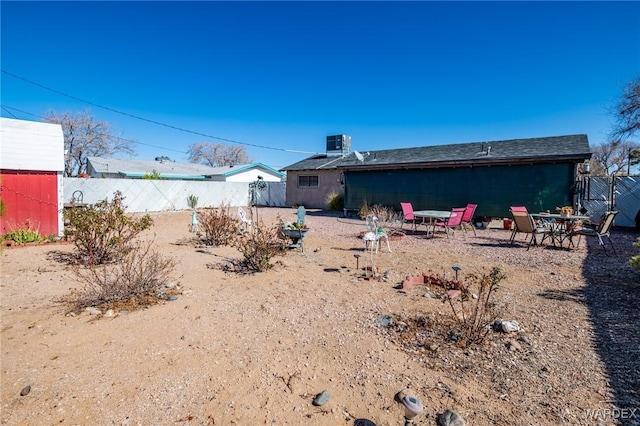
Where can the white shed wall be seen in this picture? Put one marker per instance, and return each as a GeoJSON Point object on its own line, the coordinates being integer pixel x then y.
{"type": "Point", "coordinates": [30, 145]}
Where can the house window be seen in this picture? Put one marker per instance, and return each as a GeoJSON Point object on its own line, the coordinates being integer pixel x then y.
{"type": "Point", "coordinates": [308, 181]}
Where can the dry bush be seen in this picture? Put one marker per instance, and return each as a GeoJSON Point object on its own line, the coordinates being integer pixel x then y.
{"type": "Point", "coordinates": [260, 245]}
{"type": "Point", "coordinates": [474, 313]}
{"type": "Point", "coordinates": [218, 225]}
{"type": "Point", "coordinates": [137, 280]}
{"type": "Point", "coordinates": [104, 232]}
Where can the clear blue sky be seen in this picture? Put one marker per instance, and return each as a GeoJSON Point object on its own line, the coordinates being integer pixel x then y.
{"type": "Point", "coordinates": [284, 75]}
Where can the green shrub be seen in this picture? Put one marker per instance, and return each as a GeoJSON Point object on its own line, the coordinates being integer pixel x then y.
{"type": "Point", "coordinates": [335, 202]}
{"type": "Point", "coordinates": [218, 225]}
{"type": "Point", "coordinates": [25, 233]}
{"type": "Point", "coordinates": [635, 260]}
{"type": "Point", "coordinates": [192, 201]}
{"type": "Point", "coordinates": [104, 232]}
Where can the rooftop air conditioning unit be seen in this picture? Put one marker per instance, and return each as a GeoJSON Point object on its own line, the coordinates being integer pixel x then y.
{"type": "Point", "coordinates": [338, 145]}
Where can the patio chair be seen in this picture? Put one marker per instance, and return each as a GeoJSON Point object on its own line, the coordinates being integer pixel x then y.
{"type": "Point", "coordinates": [603, 230]}
{"type": "Point", "coordinates": [244, 222]}
{"type": "Point", "coordinates": [371, 239]}
{"type": "Point", "coordinates": [467, 218]}
{"type": "Point", "coordinates": [515, 226]}
{"type": "Point", "coordinates": [525, 224]}
{"type": "Point", "coordinates": [407, 213]}
{"type": "Point", "coordinates": [454, 221]}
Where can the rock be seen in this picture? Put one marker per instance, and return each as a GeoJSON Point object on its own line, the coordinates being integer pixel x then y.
{"type": "Point", "coordinates": [25, 390]}
{"type": "Point", "coordinates": [322, 398]}
{"type": "Point", "coordinates": [172, 298]}
{"type": "Point", "coordinates": [450, 418]}
{"type": "Point", "coordinates": [110, 313]}
{"type": "Point", "coordinates": [513, 346]}
{"type": "Point", "coordinates": [384, 320]}
{"type": "Point", "coordinates": [93, 310]}
{"type": "Point", "coordinates": [429, 293]}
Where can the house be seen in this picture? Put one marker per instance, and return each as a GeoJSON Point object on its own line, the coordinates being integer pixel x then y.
{"type": "Point", "coordinates": [116, 168]}
{"type": "Point", "coordinates": [31, 170]}
{"type": "Point", "coordinates": [539, 173]}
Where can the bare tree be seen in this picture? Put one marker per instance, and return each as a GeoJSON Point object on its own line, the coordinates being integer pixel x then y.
{"type": "Point", "coordinates": [84, 136]}
{"type": "Point", "coordinates": [622, 152]}
{"type": "Point", "coordinates": [217, 154]}
{"type": "Point", "coordinates": [627, 111]}
{"type": "Point", "coordinates": [613, 157]}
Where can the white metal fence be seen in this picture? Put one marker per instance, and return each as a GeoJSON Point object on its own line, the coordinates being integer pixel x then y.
{"type": "Point", "coordinates": [143, 195]}
{"type": "Point", "coordinates": [601, 194]}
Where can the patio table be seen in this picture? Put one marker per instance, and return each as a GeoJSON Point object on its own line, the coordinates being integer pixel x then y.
{"type": "Point", "coordinates": [433, 216]}
{"type": "Point", "coordinates": [561, 226]}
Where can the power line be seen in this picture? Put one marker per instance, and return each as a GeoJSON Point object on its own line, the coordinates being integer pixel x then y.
{"type": "Point", "coordinates": [7, 108]}
{"type": "Point", "coordinates": [149, 120]}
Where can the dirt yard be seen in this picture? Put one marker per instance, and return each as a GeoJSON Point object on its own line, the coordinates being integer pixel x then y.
{"type": "Point", "coordinates": [257, 349]}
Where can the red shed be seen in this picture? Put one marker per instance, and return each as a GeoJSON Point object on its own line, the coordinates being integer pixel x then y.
{"type": "Point", "coordinates": [31, 168]}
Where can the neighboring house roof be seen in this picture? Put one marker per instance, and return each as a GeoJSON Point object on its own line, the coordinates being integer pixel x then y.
{"type": "Point", "coordinates": [554, 148]}
{"type": "Point", "coordinates": [233, 170]}
{"type": "Point", "coordinates": [170, 169]}
{"type": "Point", "coordinates": [130, 167]}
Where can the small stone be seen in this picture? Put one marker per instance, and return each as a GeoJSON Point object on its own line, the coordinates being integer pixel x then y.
{"type": "Point", "coordinates": [514, 346]}
{"type": "Point", "coordinates": [429, 293]}
{"type": "Point", "coordinates": [172, 298]}
{"type": "Point", "coordinates": [93, 311]}
{"type": "Point", "coordinates": [322, 398]}
{"type": "Point", "coordinates": [110, 313]}
{"type": "Point", "coordinates": [450, 418]}
{"type": "Point", "coordinates": [25, 390]}
{"type": "Point", "coordinates": [384, 320]}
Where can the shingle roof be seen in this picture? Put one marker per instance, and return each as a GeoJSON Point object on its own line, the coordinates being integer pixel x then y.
{"type": "Point", "coordinates": [572, 147]}
{"type": "Point", "coordinates": [126, 166]}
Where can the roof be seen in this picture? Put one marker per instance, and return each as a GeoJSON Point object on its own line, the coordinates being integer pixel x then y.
{"type": "Point", "coordinates": [552, 148]}
{"type": "Point", "coordinates": [233, 170]}
{"type": "Point", "coordinates": [133, 167]}
{"type": "Point", "coordinates": [31, 145]}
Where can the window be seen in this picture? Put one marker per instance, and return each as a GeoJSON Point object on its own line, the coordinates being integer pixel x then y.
{"type": "Point", "coordinates": [308, 181]}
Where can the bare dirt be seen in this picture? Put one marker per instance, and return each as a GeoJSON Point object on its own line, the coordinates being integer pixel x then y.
{"type": "Point", "coordinates": [257, 349]}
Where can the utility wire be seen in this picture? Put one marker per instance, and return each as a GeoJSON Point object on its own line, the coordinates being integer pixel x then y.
{"type": "Point", "coordinates": [149, 120]}
{"type": "Point", "coordinates": [7, 108]}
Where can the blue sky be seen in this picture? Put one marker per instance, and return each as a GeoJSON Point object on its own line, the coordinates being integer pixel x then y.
{"type": "Point", "coordinates": [281, 76]}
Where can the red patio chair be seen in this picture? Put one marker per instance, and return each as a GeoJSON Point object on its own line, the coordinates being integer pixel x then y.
{"type": "Point", "coordinates": [407, 213]}
{"type": "Point", "coordinates": [467, 218]}
{"type": "Point", "coordinates": [453, 221]}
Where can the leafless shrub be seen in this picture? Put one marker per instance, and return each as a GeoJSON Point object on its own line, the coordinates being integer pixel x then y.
{"type": "Point", "coordinates": [260, 245]}
{"type": "Point", "coordinates": [218, 225]}
{"type": "Point", "coordinates": [135, 281]}
{"type": "Point", "coordinates": [474, 314]}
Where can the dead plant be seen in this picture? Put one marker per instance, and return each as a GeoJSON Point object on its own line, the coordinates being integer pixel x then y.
{"type": "Point", "coordinates": [140, 278]}
{"type": "Point", "coordinates": [260, 245]}
{"type": "Point", "coordinates": [218, 225]}
{"type": "Point", "coordinates": [474, 313]}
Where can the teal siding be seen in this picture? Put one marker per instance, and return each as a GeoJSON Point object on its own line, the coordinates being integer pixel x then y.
{"type": "Point", "coordinates": [494, 189]}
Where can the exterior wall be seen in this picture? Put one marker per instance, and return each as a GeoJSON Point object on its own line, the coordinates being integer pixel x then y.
{"type": "Point", "coordinates": [30, 145]}
{"type": "Point", "coordinates": [494, 189]}
{"type": "Point", "coordinates": [31, 197]}
{"type": "Point", "coordinates": [329, 181]}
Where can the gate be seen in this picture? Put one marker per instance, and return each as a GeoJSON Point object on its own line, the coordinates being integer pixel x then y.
{"type": "Point", "coordinates": [601, 194]}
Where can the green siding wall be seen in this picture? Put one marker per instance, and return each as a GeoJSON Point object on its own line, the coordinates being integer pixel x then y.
{"type": "Point", "coordinates": [537, 186]}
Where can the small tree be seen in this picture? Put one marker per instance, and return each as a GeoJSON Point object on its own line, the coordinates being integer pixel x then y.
{"type": "Point", "coordinates": [217, 154]}
{"type": "Point", "coordinates": [103, 233]}
{"type": "Point", "coordinates": [84, 137]}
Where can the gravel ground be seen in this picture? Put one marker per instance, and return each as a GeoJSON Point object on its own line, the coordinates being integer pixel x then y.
{"type": "Point", "coordinates": [256, 349]}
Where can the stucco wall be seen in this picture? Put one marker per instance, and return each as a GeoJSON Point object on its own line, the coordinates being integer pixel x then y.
{"type": "Point", "coordinates": [315, 198]}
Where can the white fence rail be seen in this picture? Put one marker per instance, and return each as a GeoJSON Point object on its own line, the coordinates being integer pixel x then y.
{"type": "Point", "coordinates": [143, 195]}
{"type": "Point", "coordinates": [621, 193]}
